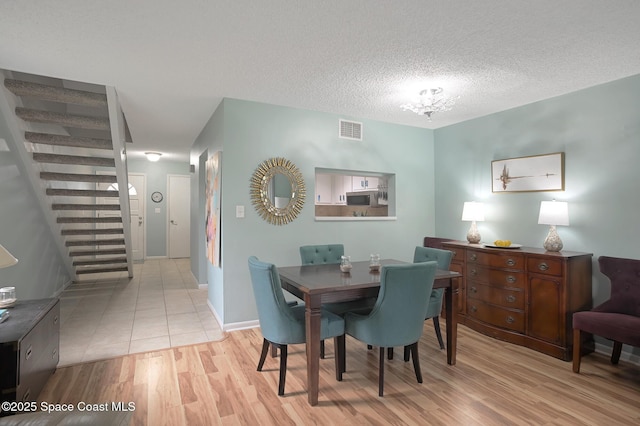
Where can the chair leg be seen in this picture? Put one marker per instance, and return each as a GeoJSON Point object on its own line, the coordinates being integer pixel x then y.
{"type": "Point", "coordinates": [389, 353]}
{"type": "Point", "coordinates": [416, 361]}
{"type": "Point", "coordinates": [283, 369]}
{"type": "Point", "coordinates": [263, 354]}
{"type": "Point", "coordinates": [339, 343]}
{"type": "Point", "coordinates": [436, 325]}
{"type": "Point", "coordinates": [615, 355]}
{"type": "Point", "coordinates": [577, 340]}
{"type": "Point", "coordinates": [381, 374]}
{"type": "Point", "coordinates": [369, 347]}
{"type": "Point", "coordinates": [406, 354]}
{"type": "Point", "coordinates": [321, 349]}
{"type": "Point", "coordinates": [274, 351]}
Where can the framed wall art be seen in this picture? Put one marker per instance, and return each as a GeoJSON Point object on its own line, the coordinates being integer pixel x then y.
{"type": "Point", "coordinates": [528, 174]}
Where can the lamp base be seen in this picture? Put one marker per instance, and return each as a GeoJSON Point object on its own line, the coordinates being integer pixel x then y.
{"type": "Point", "coordinates": [473, 236]}
{"type": "Point", "coordinates": [553, 241]}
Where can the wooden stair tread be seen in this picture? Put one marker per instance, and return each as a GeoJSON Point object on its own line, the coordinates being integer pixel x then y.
{"type": "Point", "coordinates": [78, 177]}
{"type": "Point", "coordinates": [112, 260]}
{"type": "Point", "coordinates": [89, 220]}
{"type": "Point", "coordinates": [97, 242]}
{"type": "Point", "coordinates": [62, 140]}
{"type": "Point", "coordinates": [100, 270]}
{"type": "Point", "coordinates": [73, 159]}
{"type": "Point", "coordinates": [111, 207]}
{"type": "Point", "coordinates": [82, 193]}
{"type": "Point", "coordinates": [55, 94]}
{"type": "Point", "coordinates": [97, 252]}
{"type": "Point", "coordinates": [105, 231]}
{"type": "Point", "coordinates": [66, 120]}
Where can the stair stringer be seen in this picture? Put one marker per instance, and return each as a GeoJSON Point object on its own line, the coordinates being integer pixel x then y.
{"type": "Point", "coordinates": [30, 170]}
{"type": "Point", "coordinates": [118, 135]}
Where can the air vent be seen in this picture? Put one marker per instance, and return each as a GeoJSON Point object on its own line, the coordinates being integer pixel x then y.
{"type": "Point", "coordinates": [350, 130]}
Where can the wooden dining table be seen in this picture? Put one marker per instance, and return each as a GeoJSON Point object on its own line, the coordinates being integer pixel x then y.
{"type": "Point", "coordinates": [318, 284]}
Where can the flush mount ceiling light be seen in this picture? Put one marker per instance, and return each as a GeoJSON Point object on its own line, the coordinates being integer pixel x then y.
{"type": "Point", "coordinates": [153, 156]}
{"type": "Point", "coordinates": [430, 101]}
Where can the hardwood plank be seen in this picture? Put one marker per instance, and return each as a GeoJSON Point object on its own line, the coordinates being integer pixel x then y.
{"type": "Point", "coordinates": [493, 382]}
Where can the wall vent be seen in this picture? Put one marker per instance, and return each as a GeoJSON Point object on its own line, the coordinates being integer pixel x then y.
{"type": "Point", "coordinates": [350, 130]}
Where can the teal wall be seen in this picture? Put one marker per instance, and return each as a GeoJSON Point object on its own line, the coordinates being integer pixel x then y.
{"type": "Point", "coordinates": [598, 129]}
{"type": "Point", "coordinates": [157, 178]}
{"type": "Point", "coordinates": [251, 133]}
{"type": "Point", "coordinates": [40, 271]}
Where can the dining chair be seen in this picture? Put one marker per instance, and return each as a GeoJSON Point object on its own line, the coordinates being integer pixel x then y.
{"type": "Point", "coordinates": [397, 317]}
{"type": "Point", "coordinates": [282, 325]}
{"type": "Point", "coordinates": [322, 254]}
{"type": "Point", "coordinates": [616, 319]}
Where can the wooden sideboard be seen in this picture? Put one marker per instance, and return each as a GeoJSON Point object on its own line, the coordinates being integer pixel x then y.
{"type": "Point", "coordinates": [525, 296]}
{"type": "Point", "coordinates": [29, 348]}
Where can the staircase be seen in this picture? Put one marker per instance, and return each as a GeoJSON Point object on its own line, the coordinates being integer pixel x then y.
{"type": "Point", "coordinates": [70, 137]}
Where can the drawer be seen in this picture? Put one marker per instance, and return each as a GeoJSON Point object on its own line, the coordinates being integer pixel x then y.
{"type": "Point", "coordinates": [500, 317]}
{"type": "Point", "coordinates": [545, 265]}
{"type": "Point", "coordinates": [513, 299]}
{"type": "Point", "coordinates": [37, 340]}
{"type": "Point", "coordinates": [496, 277]}
{"type": "Point", "coordinates": [509, 260]}
{"type": "Point", "coordinates": [458, 254]}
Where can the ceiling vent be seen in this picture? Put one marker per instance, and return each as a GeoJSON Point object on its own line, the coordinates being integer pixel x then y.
{"type": "Point", "coordinates": [350, 130]}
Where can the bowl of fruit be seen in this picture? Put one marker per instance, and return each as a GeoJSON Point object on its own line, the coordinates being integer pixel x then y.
{"type": "Point", "coordinates": [504, 244]}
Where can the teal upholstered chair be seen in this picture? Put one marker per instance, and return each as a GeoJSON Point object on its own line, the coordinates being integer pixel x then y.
{"type": "Point", "coordinates": [397, 318]}
{"type": "Point", "coordinates": [443, 259]}
{"type": "Point", "coordinates": [321, 254]}
{"type": "Point", "coordinates": [282, 324]}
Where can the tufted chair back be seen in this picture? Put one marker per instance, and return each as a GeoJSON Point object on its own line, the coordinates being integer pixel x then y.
{"type": "Point", "coordinates": [321, 254]}
{"type": "Point", "coordinates": [625, 285]}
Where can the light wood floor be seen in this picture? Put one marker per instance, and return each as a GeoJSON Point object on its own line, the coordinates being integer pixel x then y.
{"type": "Point", "coordinates": [493, 383]}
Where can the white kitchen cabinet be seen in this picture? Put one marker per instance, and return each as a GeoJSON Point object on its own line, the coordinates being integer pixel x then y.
{"type": "Point", "coordinates": [341, 185]}
{"type": "Point", "coordinates": [364, 183]}
{"type": "Point", "coordinates": [324, 188]}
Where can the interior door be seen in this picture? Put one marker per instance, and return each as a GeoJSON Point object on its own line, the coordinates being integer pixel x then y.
{"type": "Point", "coordinates": [137, 207]}
{"type": "Point", "coordinates": [179, 216]}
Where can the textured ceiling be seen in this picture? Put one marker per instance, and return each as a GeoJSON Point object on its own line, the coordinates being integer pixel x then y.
{"type": "Point", "coordinates": [172, 62]}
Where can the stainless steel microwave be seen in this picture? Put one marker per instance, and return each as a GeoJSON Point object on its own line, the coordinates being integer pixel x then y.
{"type": "Point", "coordinates": [362, 198]}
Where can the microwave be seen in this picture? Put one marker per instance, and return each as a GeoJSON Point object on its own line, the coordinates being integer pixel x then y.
{"type": "Point", "coordinates": [362, 198]}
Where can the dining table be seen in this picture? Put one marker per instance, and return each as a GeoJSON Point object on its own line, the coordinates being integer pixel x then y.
{"type": "Point", "coordinates": [326, 283]}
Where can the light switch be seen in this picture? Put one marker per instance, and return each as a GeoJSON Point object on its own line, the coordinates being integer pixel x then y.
{"type": "Point", "coordinates": [157, 210]}
{"type": "Point", "coordinates": [239, 211]}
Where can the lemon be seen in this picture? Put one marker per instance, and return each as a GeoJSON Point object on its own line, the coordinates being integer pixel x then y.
{"type": "Point", "coordinates": [502, 243]}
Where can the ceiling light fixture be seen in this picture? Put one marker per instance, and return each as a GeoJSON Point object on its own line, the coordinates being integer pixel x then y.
{"type": "Point", "coordinates": [430, 101]}
{"type": "Point", "coordinates": [153, 156]}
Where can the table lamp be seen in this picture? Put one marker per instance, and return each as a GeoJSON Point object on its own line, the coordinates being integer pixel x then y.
{"type": "Point", "coordinates": [553, 213]}
{"type": "Point", "coordinates": [473, 212]}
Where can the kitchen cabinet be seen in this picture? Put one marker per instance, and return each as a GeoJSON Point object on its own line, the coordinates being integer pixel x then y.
{"type": "Point", "coordinates": [341, 185]}
{"type": "Point", "coordinates": [364, 183]}
{"type": "Point", "coordinates": [324, 188]}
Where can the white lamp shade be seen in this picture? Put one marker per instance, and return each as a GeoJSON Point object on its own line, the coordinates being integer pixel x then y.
{"type": "Point", "coordinates": [6, 258]}
{"type": "Point", "coordinates": [554, 213]}
{"type": "Point", "coordinates": [473, 211]}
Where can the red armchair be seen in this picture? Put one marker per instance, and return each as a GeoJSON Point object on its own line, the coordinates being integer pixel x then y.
{"type": "Point", "coordinates": [618, 318]}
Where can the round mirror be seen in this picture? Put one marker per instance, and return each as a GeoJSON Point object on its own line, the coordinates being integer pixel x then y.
{"type": "Point", "coordinates": [277, 191]}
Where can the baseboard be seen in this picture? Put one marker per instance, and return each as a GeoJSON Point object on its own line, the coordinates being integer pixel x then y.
{"type": "Point", "coordinates": [155, 257]}
{"type": "Point", "coordinates": [64, 287]}
{"type": "Point", "coordinates": [233, 326]}
{"type": "Point", "coordinates": [624, 355]}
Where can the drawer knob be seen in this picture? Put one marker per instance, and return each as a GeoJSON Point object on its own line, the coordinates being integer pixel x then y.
{"type": "Point", "coordinates": [511, 298]}
{"type": "Point", "coordinates": [543, 266]}
{"type": "Point", "coordinates": [510, 262]}
{"type": "Point", "coordinates": [511, 279]}
{"type": "Point", "coordinates": [55, 319]}
{"type": "Point", "coordinates": [455, 253]}
{"type": "Point", "coordinates": [474, 272]}
{"type": "Point", "coordinates": [474, 308]}
{"type": "Point", "coordinates": [474, 289]}
{"type": "Point", "coordinates": [473, 256]}
{"type": "Point", "coordinates": [28, 353]}
{"type": "Point", "coordinates": [510, 319]}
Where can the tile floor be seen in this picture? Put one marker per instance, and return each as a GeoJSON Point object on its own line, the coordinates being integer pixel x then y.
{"type": "Point", "coordinates": [109, 315]}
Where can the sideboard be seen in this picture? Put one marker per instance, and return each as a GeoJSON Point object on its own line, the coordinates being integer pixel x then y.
{"type": "Point", "coordinates": [29, 345]}
{"type": "Point", "coordinates": [523, 295]}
